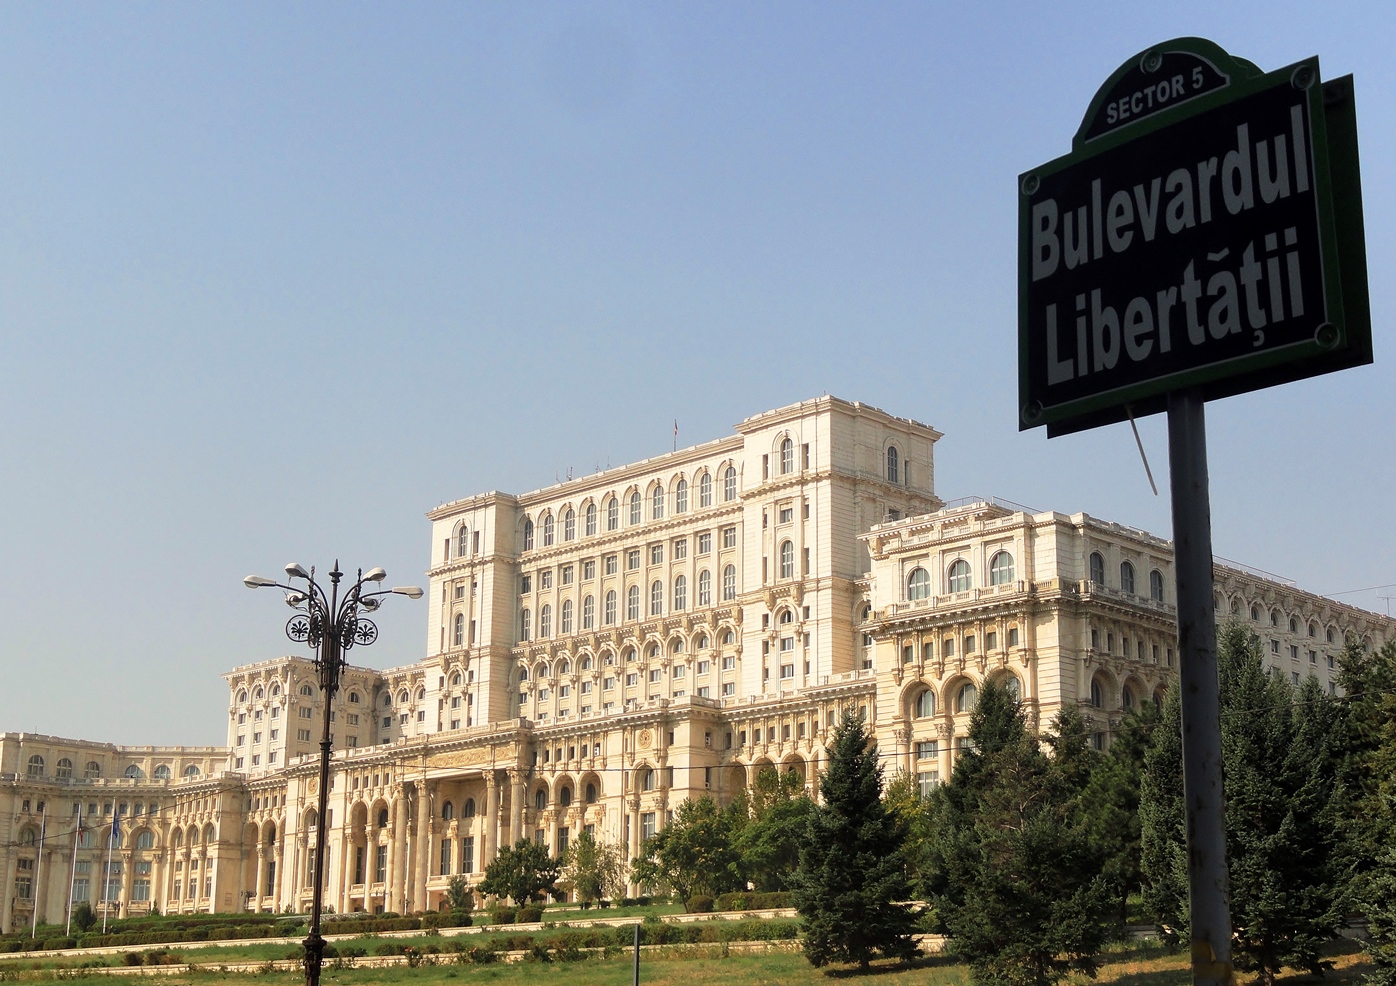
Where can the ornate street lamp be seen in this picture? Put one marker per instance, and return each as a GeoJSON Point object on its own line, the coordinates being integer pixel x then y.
{"type": "Point", "coordinates": [330, 626]}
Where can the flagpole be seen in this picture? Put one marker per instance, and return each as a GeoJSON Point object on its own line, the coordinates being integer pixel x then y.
{"type": "Point", "coordinates": [73, 875]}
{"type": "Point", "coordinates": [106, 873]}
{"type": "Point", "coordinates": [39, 870]}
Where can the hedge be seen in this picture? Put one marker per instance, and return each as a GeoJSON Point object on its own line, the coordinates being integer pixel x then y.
{"type": "Point", "coordinates": [746, 901]}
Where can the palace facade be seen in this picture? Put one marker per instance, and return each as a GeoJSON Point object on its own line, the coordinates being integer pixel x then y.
{"type": "Point", "coordinates": [607, 647]}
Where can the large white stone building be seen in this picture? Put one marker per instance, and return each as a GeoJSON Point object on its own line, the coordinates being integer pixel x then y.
{"type": "Point", "coordinates": [604, 648]}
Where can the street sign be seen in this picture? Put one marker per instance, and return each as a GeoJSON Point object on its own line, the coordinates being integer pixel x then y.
{"type": "Point", "coordinates": [1205, 233]}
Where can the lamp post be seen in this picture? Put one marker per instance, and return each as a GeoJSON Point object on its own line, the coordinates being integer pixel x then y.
{"type": "Point", "coordinates": [331, 626]}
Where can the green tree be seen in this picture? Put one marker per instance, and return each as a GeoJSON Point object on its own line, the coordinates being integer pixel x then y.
{"type": "Point", "coordinates": [1014, 875]}
{"type": "Point", "coordinates": [1112, 800]}
{"type": "Point", "coordinates": [593, 870]}
{"type": "Point", "coordinates": [84, 917]}
{"type": "Point", "coordinates": [851, 884]}
{"type": "Point", "coordinates": [522, 872]}
{"type": "Point", "coordinates": [459, 897]}
{"type": "Point", "coordinates": [694, 853]}
{"type": "Point", "coordinates": [776, 819]}
{"type": "Point", "coordinates": [1280, 752]}
{"type": "Point", "coordinates": [1367, 798]}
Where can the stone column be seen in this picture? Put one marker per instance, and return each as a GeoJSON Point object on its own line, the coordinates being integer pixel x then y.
{"type": "Point", "coordinates": [260, 882]}
{"type": "Point", "coordinates": [490, 830]}
{"type": "Point", "coordinates": [633, 843]}
{"type": "Point", "coordinates": [278, 879]}
{"type": "Point", "coordinates": [347, 848]}
{"type": "Point", "coordinates": [398, 854]}
{"type": "Point", "coordinates": [425, 811]}
{"type": "Point", "coordinates": [516, 800]}
{"type": "Point", "coordinates": [124, 894]}
{"type": "Point", "coordinates": [7, 895]}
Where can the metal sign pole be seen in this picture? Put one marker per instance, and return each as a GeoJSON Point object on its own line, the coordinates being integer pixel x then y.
{"type": "Point", "coordinates": [1209, 908]}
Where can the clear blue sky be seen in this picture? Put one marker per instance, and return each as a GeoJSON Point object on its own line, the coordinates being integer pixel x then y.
{"type": "Point", "coordinates": [276, 279]}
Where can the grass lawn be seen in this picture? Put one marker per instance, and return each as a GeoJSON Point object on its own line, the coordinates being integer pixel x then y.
{"type": "Point", "coordinates": [1136, 965]}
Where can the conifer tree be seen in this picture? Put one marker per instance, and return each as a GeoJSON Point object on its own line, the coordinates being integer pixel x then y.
{"type": "Point", "coordinates": [1014, 875]}
{"type": "Point", "coordinates": [851, 885]}
{"type": "Point", "coordinates": [1280, 764]}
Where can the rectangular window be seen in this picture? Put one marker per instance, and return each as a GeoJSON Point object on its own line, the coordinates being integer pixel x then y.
{"type": "Point", "coordinates": [680, 549]}
{"type": "Point", "coordinates": [81, 889]}
{"type": "Point", "coordinates": [703, 691]}
{"type": "Point", "coordinates": [787, 514]}
{"type": "Point", "coordinates": [656, 554]}
{"type": "Point", "coordinates": [567, 574]}
{"type": "Point", "coordinates": [380, 864]}
{"type": "Point", "coordinates": [588, 570]}
{"type": "Point", "coordinates": [545, 579]}
{"type": "Point", "coordinates": [632, 559]}
{"type": "Point", "coordinates": [608, 683]}
{"type": "Point", "coordinates": [140, 890]}
{"type": "Point", "coordinates": [467, 854]}
{"type": "Point", "coordinates": [787, 670]}
{"type": "Point", "coordinates": [305, 712]}
{"type": "Point", "coordinates": [611, 564]}
{"type": "Point", "coordinates": [729, 662]}
{"type": "Point", "coordinates": [704, 667]}
{"type": "Point", "coordinates": [927, 750]}
{"type": "Point", "coordinates": [926, 781]}
{"type": "Point", "coordinates": [445, 857]}
{"type": "Point", "coordinates": [656, 674]}
{"type": "Point", "coordinates": [525, 585]}
{"type": "Point", "coordinates": [729, 688]}
{"type": "Point", "coordinates": [24, 879]}
{"type": "Point", "coordinates": [631, 680]}
{"type": "Point", "coordinates": [647, 825]}
{"type": "Point", "coordinates": [729, 537]}
{"type": "Point", "coordinates": [705, 543]}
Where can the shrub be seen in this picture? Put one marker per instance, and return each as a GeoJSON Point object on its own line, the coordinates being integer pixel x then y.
{"type": "Point", "coordinates": [527, 915]}
{"type": "Point", "coordinates": [53, 943]}
{"type": "Point", "coordinates": [502, 915]}
{"type": "Point", "coordinates": [699, 904]}
{"type": "Point", "coordinates": [133, 958]}
{"type": "Point", "coordinates": [387, 948]}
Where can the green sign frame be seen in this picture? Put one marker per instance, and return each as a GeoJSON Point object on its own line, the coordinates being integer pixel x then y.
{"type": "Point", "coordinates": [1125, 112]}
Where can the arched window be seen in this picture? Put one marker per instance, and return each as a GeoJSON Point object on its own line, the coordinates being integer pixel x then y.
{"type": "Point", "coordinates": [787, 456]}
{"type": "Point", "coordinates": [589, 613]}
{"type": "Point", "coordinates": [612, 514]}
{"type": "Point", "coordinates": [705, 588]}
{"type": "Point", "coordinates": [1097, 568]}
{"type": "Point", "coordinates": [448, 811]}
{"type": "Point", "coordinates": [1293, 625]}
{"type": "Point", "coordinates": [894, 471]}
{"type": "Point", "coordinates": [591, 794]}
{"type": "Point", "coordinates": [382, 818]}
{"type": "Point", "coordinates": [1001, 568]}
{"type": "Point", "coordinates": [729, 638]}
{"type": "Point", "coordinates": [681, 496]}
{"type": "Point", "coordinates": [632, 603]}
{"type": "Point", "coordinates": [569, 525]}
{"type": "Point", "coordinates": [257, 694]}
{"type": "Point", "coordinates": [657, 502]}
{"type": "Point", "coordinates": [455, 679]}
{"type": "Point", "coordinates": [705, 490]}
{"type": "Point", "coordinates": [966, 697]}
{"type": "Point", "coordinates": [1097, 694]}
{"type": "Point", "coordinates": [646, 779]}
{"type": "Point", "coordinates": [191, 771]}
{"type": "Point", "coordinates": [608, 611]}
{"type": "Point", "coordinates": [680, 593]}
{"type": "Point", "coordinates": [635, 508]}
{"type": "Point", "coordinates": [36, 766]}
{"type": "Point", "coordinates": [162, 772]}
{"type": "Point", "coordinates": [590, 523]}
{"type": "Point", "coordinates": [566, 616]}
{"type": "Point", "coordinates": [458, 635]}
{"type": "Point", "coordinates": [146, 840]}
{"type": "Point", "coordinates": [540, 799]}
{"type": "Point", "coordinates": [585, 662]}
{"type": "Point", "coordinates": [787, 560]}
{"type": "Point", "coordinates": [918, 584]}
{"type": "Point", "coordinates": [28, 837]}
{"type": "Point", "coordinates": [308, 691]}
{"type": "Point", "coordinates": [564, 666]}
{"type": "Point", "coordinates": [729, 583]}
{"type": "Point", "coordinates": [403, 698]}
{"type": "Point", "coordinates": [548, 530]}
{"type": "Point", "coordinates": [528, 534]}
{"type": "Point", "coordinates": [523, 674]}
{"type": "Point", "coordinates": [468, 809]}
{"type": "Point", "coordinates": [1127, 700]}
{"type": "Point", "coordinates": [1126, 577]}
{"type": "Point", "coordinates": [1156, 591]}
{"type": "Point", "coordinates": [462, 541]}
{"type": "Point", "coordinates": [1013, 687]}
{"type": "Point", "coordinates": [564, 796]}
{"type": "Point", "coordinates": [729, 484]}
{"type": "Point", "coordinates": [959, 577]}
{"type": "Point", "coordinates": [64, 768]}
{"type": "Point", "coordinates": [925, 706]}
{"type": "Point", "coordinates": [242, 696]}
{"type": "Point", "coordinates": [545, 621]}
{"type": "Point", "coordinates": [525, 624]}
{"type": "Point", "coordinates": [656, 598]}
{"type": "Point", "coordinates": [134, 772]}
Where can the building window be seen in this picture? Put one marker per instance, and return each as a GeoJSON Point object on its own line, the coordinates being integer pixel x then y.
{"type": "Point", "coordinates": [590, 520]}
{"type": "Point", "coordinates": [925, 706]}
{"type": "Point", "coordinates": [966, 698]}
{"type": "Point", "coordinates": [705, 490]}
{"type": "Point", "coordinates": [729, 484]}
{"type": "Point", "coordinates": [680, 549]}
{"type": "Point", "coordinates": [787, 560]}
{"type": "Point", "coordinates": [608, 612]}
{"type": "Point", "coordinates": [705, 588]}
{"type": "Point", "coordinates": [632, 559]}
{"type": "Point", "coordinates": [567, 615]}
{"type": "Point", "coordinates": [680, 592]}
{"type": "Point", "coordinates": [729, 583]}
{"type": "Point", "coordinates": [459, 633]}
{"type": "Point", "coordinates": [1126, 577]}
{"type": "Point", "coordinates": [960, 576]}
{"type": "Point", "coordinates": [548, 530]}
{"type": "Point", "coordinates": [612, 514]}
{"type": "Point", "coordinates": [893, 464]}
{"type": "Point", "coordinates": [1001, 568]}
{"type": "Point", "coordinates": [656, 554]}
{"type": "Point", "coordinates": [632, 603]}
{"type": "Point", "coordinates": [926, 781]}
{"type": "Point", "coordinates": [36, 766]}
{"type": "Point", "coordinates": [787, 457]}
{"type": "Point", "coordinates": [462, 541]}
{"type": "Point", "coordinates": [647, 828]}
{"type": "Point", "coordinates": [681, 496]}
{"type": "Point", "coordinates": [525, 624]}
{"type": "Point", "coordinates": [657, 503]}
{"type": "Point", "coordinates": [1156, 591]}
{"type": "Point", "coordinates": [545, 621]}
{"type": "Point", "coordinates": [569, 525]}
{"type": "Point", "coordinates": [918, 584]}
{"type": "Point", "coordinates": [1097, 568]}
{"type": "Point", "coordinates": [636, 508]}
{"type": "Point", "coordinates": [656, 598]}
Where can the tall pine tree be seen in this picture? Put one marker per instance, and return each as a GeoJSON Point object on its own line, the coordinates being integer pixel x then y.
{"type": "Point", "coordinates": [1280, 769]}
{"type": "Point", "coordinates": [851, 884]}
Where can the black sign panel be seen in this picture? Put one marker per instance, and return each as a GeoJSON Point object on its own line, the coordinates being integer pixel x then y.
{"type": "Point", "coordinates": [1190, 245]}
